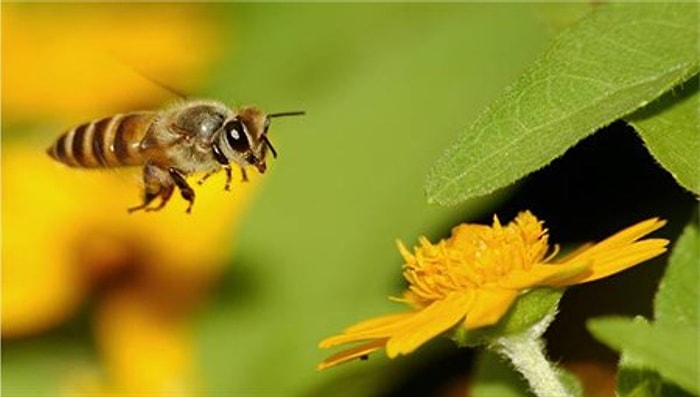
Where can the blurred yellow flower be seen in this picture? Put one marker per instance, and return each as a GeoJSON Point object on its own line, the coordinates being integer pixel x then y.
{"type": "Point", "coordinates": [66, 234]}
{"type": "Point", "coordinates": [474, 277]}
{"type": "Point", "coordinates": [146, 345]}
{"type": "Point", "coordinates": [74, 62]}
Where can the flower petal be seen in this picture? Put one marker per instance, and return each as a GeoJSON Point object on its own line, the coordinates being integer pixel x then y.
{"type": "Point", "coordinates": [405, 253]}
{"type": "Point", "coordinates": [146, 352]}
{"type": "Point", "coordinates": [619, 239]}
{"type": "Point", "coordinates": [545, 274]}
{"type": "Point", "coordinates": [489, 306]}
{"type": "Point", "coordinates": [430, 322]}
{"type": "Point", "coordinates": [349, 354]}
{"type": "Point", "coordinates": [616, 260]}
{"type": "Point", "coordinates": [375, 328]}
{"type": "Point", "coordinates": [378, 323]}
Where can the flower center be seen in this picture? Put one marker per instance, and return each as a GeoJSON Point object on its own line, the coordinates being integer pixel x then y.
{"type": "Point", "coordinates": [474, 256]}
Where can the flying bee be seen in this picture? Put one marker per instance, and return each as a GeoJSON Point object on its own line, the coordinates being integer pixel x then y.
{"type": "Point", "coordinates": [190, 137]}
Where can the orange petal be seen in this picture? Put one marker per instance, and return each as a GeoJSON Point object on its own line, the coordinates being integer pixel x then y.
{"type": "Point", "coordinates": [489, 306]}
{"type": "Point", "coordinates": [619, 259]}
{"type": "Point", "coordinates": [430, 322]}
{"type": "Point", "coordinates": [350, 354]}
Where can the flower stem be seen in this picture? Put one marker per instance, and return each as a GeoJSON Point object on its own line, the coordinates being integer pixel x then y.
{"type": "Point", "coordinates": [528, 357]}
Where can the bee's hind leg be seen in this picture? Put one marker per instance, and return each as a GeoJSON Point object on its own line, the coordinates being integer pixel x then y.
{"type": "Point", "coordinates": [148, 198]}
{"type": "Point", "coordinates": [157, 183]}
{"type": "Point", "coordinates": [165, 193]}
{"type": "Point", "coordinates": [185, 190]}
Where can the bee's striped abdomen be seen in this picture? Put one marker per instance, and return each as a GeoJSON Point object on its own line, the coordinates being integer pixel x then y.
{"type": "Point", "coordinates": [109, 142]}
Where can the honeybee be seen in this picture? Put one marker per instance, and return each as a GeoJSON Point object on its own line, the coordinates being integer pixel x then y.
{"type": "Point", "coordinates": [190, 137]}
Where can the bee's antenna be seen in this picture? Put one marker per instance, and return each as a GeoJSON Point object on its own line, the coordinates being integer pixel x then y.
{"type": "Point", "coordinates": [269, 145]}
{"type": "Point", "coordinates": [283, 114]}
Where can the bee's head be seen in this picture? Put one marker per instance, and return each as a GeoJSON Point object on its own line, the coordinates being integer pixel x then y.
{"type": "Point", "coordinates": [245, 134]}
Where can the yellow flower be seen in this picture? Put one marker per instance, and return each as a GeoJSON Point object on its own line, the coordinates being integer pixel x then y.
{"type": "Point", "coordinates": [146, 344]}
{"type": "Point", "coordinates": [54, 214]}
{"type": "Point", "coordinates": [474, 277]}
{"type": "Point", "coordinates": [68, 63]}
{"type": "Point", "coordinates": [67, 238]}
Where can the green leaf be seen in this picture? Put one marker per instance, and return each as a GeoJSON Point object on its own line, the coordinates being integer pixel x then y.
{"type": "Point", "coordinates": [528, 309]}
{"type": "Point", "coordinates": [636, 382]}
{"type": "Point", "coordinates": [670, 127]}
{"type": "Point", "coordinates": [558, 16]}
{"type": "Point", "coordinates": [612, 62]}
{"type": "Point", "coordinates": [676, 301]}
{"type": "Point", "coordinates": [633, 380]}
{"type": "Point", "coordinates": [669, 346]}
{"type": "Point", "coordinates": [670, 350]}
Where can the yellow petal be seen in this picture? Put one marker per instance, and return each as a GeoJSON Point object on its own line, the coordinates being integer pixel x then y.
{"type": "Point", "coordinates": [350, 354]}
{"type": "Point", "coordinates": [146, 349]}
{"type": "Point", "coordinates": [430, 322]}
{"type": "Point", "coordinates": [619, 239]}
{"type": "Point", "coordinates": [571, 256]}
{"type": "Point", "coordinates": [88, 42]}
{"type": "Point", "coordinates": [41, 282]}
{"type": "Point", "coordinates": [379, 322]}
{"type": "Point", "coordinates": [544, 274]}
{"type": "Point", "coordinates": [617, 260]}
{"type": "Point", "coordinates": [405, 253]}
{"type": "Point", "coordinates": [378, 327]}
{"type": "Point", "coordinates": [489, 306]}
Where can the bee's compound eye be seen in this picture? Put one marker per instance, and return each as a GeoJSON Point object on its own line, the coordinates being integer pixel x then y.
{"type": "Point", "coordinates": [235, 135]}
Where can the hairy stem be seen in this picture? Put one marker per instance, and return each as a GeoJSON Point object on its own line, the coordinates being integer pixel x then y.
{"type": "Point", "coordinates": [528, 357]}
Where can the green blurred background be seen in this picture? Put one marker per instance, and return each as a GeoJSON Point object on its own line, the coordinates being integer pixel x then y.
{"type": "Point", "coordinates": [386, 88]}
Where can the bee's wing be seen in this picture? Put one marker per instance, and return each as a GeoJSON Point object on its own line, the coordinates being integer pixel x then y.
{"type": "Point", "coordinates": [162, 134]}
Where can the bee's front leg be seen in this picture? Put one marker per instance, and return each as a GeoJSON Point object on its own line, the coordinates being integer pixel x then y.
{"type": "Point", "coordinates": [221, 158]}
{"type": "Point", "coordinates": [205, 177]}
{"type": "Point", "coordinates": [185, 190]}
{"type": "Point", "coordinates": [227, 169]}
{"type": "Point", "coordinates": [157, 183]}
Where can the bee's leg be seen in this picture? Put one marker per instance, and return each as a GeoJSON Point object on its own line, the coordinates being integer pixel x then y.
{"type": "Point", "coordinates": [165, 193]}
{"type": "Point", "coordinates": [148, 198]}
{"type": "Point", "coordinates": [219, 156]}
{"type": "Point", "coordinates": [185, 189]}
{"type": "Point", "coordinates": [227, 169]}
{"type": "Point", "coordinates": [205, 177]}
{"type": "Point", "coordinates": [244, 175]}
{"type": "Point", "coordinates": [157, 183]}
